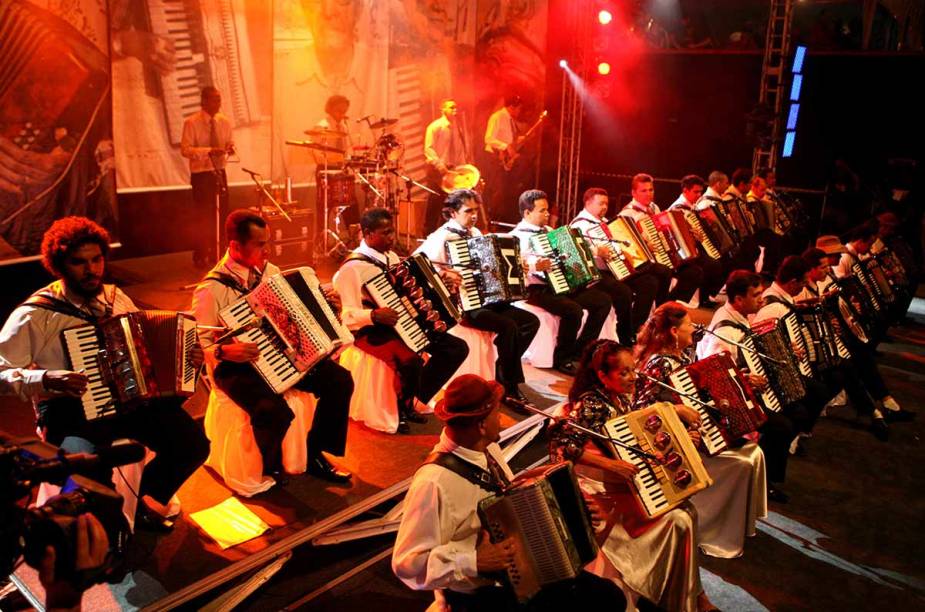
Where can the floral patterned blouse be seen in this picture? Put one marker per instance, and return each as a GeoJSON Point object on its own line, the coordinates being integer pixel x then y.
{"type": "Point", "coordinates": [659, 367]}
{"type": "Point", "coordinates": [593, 409]}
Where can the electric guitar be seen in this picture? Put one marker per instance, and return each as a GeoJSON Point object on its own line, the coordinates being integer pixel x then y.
{"type": "Point", "coordinates": [508, 156]}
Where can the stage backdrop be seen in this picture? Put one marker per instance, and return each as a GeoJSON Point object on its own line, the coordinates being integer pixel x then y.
{"type": "Point", "coordinates": [56, 148]}
{"type": "Point", "coordinates": [276, 63]}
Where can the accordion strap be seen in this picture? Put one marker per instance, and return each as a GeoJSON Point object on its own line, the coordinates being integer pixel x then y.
{"type": "Point", "coordinates": [773, 299]}
{"type": "Point", "coordinates": [227, 280]}
{"type": "Point", "coordinates": [472, 473]}
{"type": "Point", "coordinates": [366, 258]}
{"type": "Point", "coordinates": [49, 302]}
{"type": "Point", "coordinates": [734, 325]}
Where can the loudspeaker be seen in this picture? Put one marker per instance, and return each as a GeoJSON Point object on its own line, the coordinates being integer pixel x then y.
{"type": "Point", "coordinates": [411, 218]}
{"type": "Point", "coordinates": [292, 253]}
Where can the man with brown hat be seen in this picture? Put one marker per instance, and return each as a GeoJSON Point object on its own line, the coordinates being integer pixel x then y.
{"type": "Point", "coordinates": [441, 544]}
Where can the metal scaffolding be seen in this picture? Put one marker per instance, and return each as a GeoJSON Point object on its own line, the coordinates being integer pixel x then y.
{"type": "Point", "coordinates": [773, 72]}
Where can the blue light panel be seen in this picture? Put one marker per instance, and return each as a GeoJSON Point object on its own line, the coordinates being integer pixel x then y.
{"type": "Point", "coordinates": [792, 116]}
{"type": "Point", "coordinates": [798, 58]}
{"type": "Point", "coordinates": [795, 87]}
{"type": "Point", "coordinates": [788, 144]}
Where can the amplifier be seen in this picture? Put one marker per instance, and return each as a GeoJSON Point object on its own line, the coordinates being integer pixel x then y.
{"type": "Point", "coordinates": [292, 253]}
{"type": "Point", "coordinates": [300, 228]}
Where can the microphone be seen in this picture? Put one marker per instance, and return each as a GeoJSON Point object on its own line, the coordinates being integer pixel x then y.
{"type": "Point", "coordinates": [254, 323]}
{"type": "Point", "coordinates": [251, 172]}
{"type": "Point", "coordinates": [62, 466]}
{"type": "Point", "coordinates": [362, 119]}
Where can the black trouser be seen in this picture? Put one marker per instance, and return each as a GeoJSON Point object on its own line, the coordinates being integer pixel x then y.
{"type": "Point", "coordinates": [662, 275]}
{"type": "Point", "coordinates": [270, 414]}
{"type": "Point", "coordinates": [585, 592]}
{"type": "Point", "coordinates": [568, 308]}
{"type": "Point", "coordinates": [846, 376]}
{"type": "Point", "coordinates": [202, 219]}
{"type": "Point", "coordinates": [747, 255]}
{"type": "Point", "coordinates": [514, 329]}
{"type": "Point", "coordinates": [865, 363]}
{"type": "Point", "coordinates": [714, 275]}
{"type": "Point", "coordinates": [689, 276]}
{"type": "Point", "coordinates": [162, 425]}
{"type": "Point", "coordinates": [776, 435]}
{"type": "Point", "coordinates": [415, 378]}
{"type": "Point", "coordinates": [775, 249]}
{"type": "Point", "coordinates": [632, 300]}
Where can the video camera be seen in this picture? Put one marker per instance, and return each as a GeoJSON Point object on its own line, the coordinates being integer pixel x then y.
{"type": "Point", "coordinates": [27, 532]}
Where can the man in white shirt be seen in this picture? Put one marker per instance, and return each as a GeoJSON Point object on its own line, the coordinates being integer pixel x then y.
{"type": "Point", "coordinates": [632, 297]}
{"type": "Point", "coordinates": [514, 327]}
{"type": "Point", "coordinates": [374, 326]}
{"type": "Point", "coordinates": [501, 138]}
{"type": "Point", "coordinates": [534, 208]}
{"type": "Point", "coordinates": [441, 543]}
{"type": "Point", "coordinates": [234, 276]}
{"type": "Point", "coordinates": [207, 142]}
{"type": "Point", "coordinates": [35, 366]}
{"type": "Point", "coordinates": [445, 148]}
{"type": "Point", "coordinates": [689, 275]}
{"type": "Point", "coordinates": [779, 300]}
{"type": "Point", "coordinates": [692, 188]}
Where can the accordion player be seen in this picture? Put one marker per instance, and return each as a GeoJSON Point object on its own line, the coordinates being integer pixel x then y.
{"type": "Point", "coordinates": [297, 327]}
{"type": "Point", "coordinates": [491, 270]}
{"type": "Point", "coordinates": [131, 358]}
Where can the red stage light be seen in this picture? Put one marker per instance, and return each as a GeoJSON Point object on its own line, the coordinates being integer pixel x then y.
{"type": "Point", "coordinates": [603, 68]}
{"type": "Point", "coordinates": [604, 17]}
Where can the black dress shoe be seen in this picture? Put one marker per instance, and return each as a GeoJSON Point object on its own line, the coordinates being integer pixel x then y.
{"type": "Point", "coordinates": [517, 401]}
{"type": "Point", "coordinates": [899, 416]}
{"type": "Point", "coordinates": [403, 427]}
{"type": "Point", "coordinates": [879, 428]}
{"type": "Point", "coordinates": [776, 495]}
{"type": "Point", "coordinates": [413, 416]}
{"type": "Point", "coordinates": [149, 520]}
{"type": "Point", "coordinates": [320, 467]}
{"type": "Point", "coordinates": [569, 368]}
{"type": "Point", "coordinates": [281, 477]}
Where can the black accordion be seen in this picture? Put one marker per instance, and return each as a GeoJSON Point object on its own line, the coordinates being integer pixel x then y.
{"type": "Point", "coordinates": [770, 338]}
{"type": "Point", "coordinates": [491, 270]}
{"type": "Point", "coordinates": [131, 358]}
{"type": "Point", "coordinates": [545, 514]}
{"type": "Point", "coordinates": [413, 289]}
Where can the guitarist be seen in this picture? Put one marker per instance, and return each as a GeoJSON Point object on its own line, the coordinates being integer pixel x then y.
{"type": "Point", "coordinates": [503, 138]}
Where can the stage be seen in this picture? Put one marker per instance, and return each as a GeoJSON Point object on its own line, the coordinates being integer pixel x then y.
{"type": "Point", "coordinates": [849, 538]}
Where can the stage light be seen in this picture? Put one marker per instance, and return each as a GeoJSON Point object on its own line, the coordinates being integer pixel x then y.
{"type": "Point", "coordinates": [795, 87]}
{"type": "Point", "coordinates": [789, 139]}
{"type": "Point", "coordinates": [604, 17]}
{"type": "Point", "coordinates": [563, 64]}
{"type": "Point", "coordinates": [603, 68]}
{"type": "Point", "coordinates": [798, 58]}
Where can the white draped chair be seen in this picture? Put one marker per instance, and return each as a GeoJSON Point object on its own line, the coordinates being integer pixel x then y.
{"type": "Point", "coordinates": [540, 351]}
{"type": "Point", "coordinates": [375, 396]}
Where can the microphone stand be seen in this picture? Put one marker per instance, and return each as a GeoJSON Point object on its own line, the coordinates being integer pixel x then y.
{"type": "Point", "coordinates": [710, 408]}
{"type": "Point", "coordinates": [507, 225]}
{"type": "Point", "coordinates": [633, 449]}
{"type": "Point", "coordinates": [607, 240]}
{"type": "Point", "coordinates": [409, 183]}
{"type": "Point", "coordinates": [739, 344]}
{"type": "Point", "coordinates": [268, 195]}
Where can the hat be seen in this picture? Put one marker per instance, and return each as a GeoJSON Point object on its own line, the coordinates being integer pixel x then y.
{"type": "Point", "coordinates": [831, 245]}
{"type": "Point", "coordinates": [468, 396]}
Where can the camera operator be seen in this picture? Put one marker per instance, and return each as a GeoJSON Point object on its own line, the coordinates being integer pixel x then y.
{"type": "Point", "coordinates": [91, 552]}
{"type": "Point", "coordinates": [34, 365]}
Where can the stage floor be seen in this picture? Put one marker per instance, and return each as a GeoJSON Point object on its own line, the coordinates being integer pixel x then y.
{"type": "Point", "coordinates": [854, 519]}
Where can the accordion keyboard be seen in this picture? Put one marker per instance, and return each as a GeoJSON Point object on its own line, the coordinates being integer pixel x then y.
{"type": "Point", "coordinates": [649, 490]}
{"type": "Point", "coordinates": [83, 347]}
{"type": "Point", "coordinates": [661, 249]}
{"type": "Point", "coordinates": [713, 439]}
{"type": "Point", "coordinates": [407, 328]}
{"type": "Point", "coordinates": [555, 275]}
{"type": "Point", "coordinates": [460, 256]}
{"type": "Point", "coordinates": [273, 364]}
{"type": "Point", "coordinates": [768, 397]}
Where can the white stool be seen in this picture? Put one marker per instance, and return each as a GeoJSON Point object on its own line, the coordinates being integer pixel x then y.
{"type": "Point", "coordinates": [481, 360]}
{"type": "Point", "coordinates": [540, 351]}
{"type": "Point", "coordinates": [233, 450]}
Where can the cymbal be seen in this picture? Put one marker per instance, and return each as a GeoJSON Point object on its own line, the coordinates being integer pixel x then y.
{"type": "Point", "coordinates": [314, 145]}
{"type": "Point", "coordinates": [384, 122]}
{"type": "Point", "coordinates": [324, 133]}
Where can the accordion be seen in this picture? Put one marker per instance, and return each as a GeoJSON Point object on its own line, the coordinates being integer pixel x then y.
{"type": "Point", "coordinates": [716, 381]}
{"type": "Point", "coordinates": [664, 253]}
{"type": "Point", "coordinates": [682, 246]}
{"type": "Point", "coordinates": [853, 307]}
{"type": "Point", "coordinates": [892, 266]}
{"type": "Point", "coordinates": [545, 514]}
{"type": "Point", "coordinates": [717, 229]}
{"type": "Point", "coordinates": [131, 358]}
{"type": "Point", "coordinates": [414, 290]}
{"type": "Point", "coordinates": [762, 213]}
{"type": "Point", "coordinates": [636, 250]}
{"type": "Point", "coordinates": [820, 339]}
{"type": "Point", "coordinates": [875, 280]}
{"type": "Point", "coordinates": [770, 338]}
{"type": "Point", "coordinates": [490, 268]}
{"type": "Point", "coordinates": [657, 429]}
{"type": "Point", "coordinates": [297, 327]}
{"type": "Point", "coordinates": [618, 263]}
{"type": "Point", "coordinates": [736, 212]}
{"type": "Point", "coordinates": [706, 243]}
{"type": "Point", "coordinates": [572, 261]}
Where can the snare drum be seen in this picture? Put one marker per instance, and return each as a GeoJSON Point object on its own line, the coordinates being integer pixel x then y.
{"type": "Point", "coordinates": [389, 148]}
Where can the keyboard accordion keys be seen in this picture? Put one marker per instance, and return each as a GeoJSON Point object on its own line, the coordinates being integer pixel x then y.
{"type": "Point", "coordinates": [618, 264]}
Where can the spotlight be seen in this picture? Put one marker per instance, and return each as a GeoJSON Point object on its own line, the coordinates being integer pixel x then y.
{"type": "Point", "coordinates": [603, 68]}
{"type": "Point", "coordinates": [604, 17]}
{"type": "Point", "coordinates": [563, 64]}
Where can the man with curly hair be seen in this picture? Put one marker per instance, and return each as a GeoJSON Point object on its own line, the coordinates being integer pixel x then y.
{"type": "Point", "coordinates": [33, 364]}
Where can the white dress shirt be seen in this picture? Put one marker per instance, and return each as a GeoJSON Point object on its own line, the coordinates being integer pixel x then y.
{"type": "Point", "coordinates": [434, 247]}
{"type": "Point", "coordinates": [30, 341]}
{"type": "Point", "coordinates": [709, 198]}
{"type": "Point", "coordinates": [774, 311]}
{"type": "Point", "coordinates": [436, 542]}
{"type": "Point", "coordinates": [733, 194]}
{"type": "Point", "coordinates": [210, 296]}
{"type": "Point", "coordinates": [711, 345]}
{"type": "Point", "coordinates": [583, 222]}
{"type": "Point", "coordinates": [195, 143]}
{"type": "Point", "coordinates": [500, 131]}
{"type": "Point", "coordinates": [348, 282]}
{"type": "Point", "coordinates": [843, 268]}
{"type": "Point", "coordinates": [636, 211]}
{"type": "Point", "coordinates": [683, 203]}
{"type": "Point", "coordinates": [524, 231]}
{"type": "Point", "coordinates": [443, 142]}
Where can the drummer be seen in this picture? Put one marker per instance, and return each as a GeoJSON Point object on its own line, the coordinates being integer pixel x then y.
{"type": "Point", "coordinates": [335, 121]}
